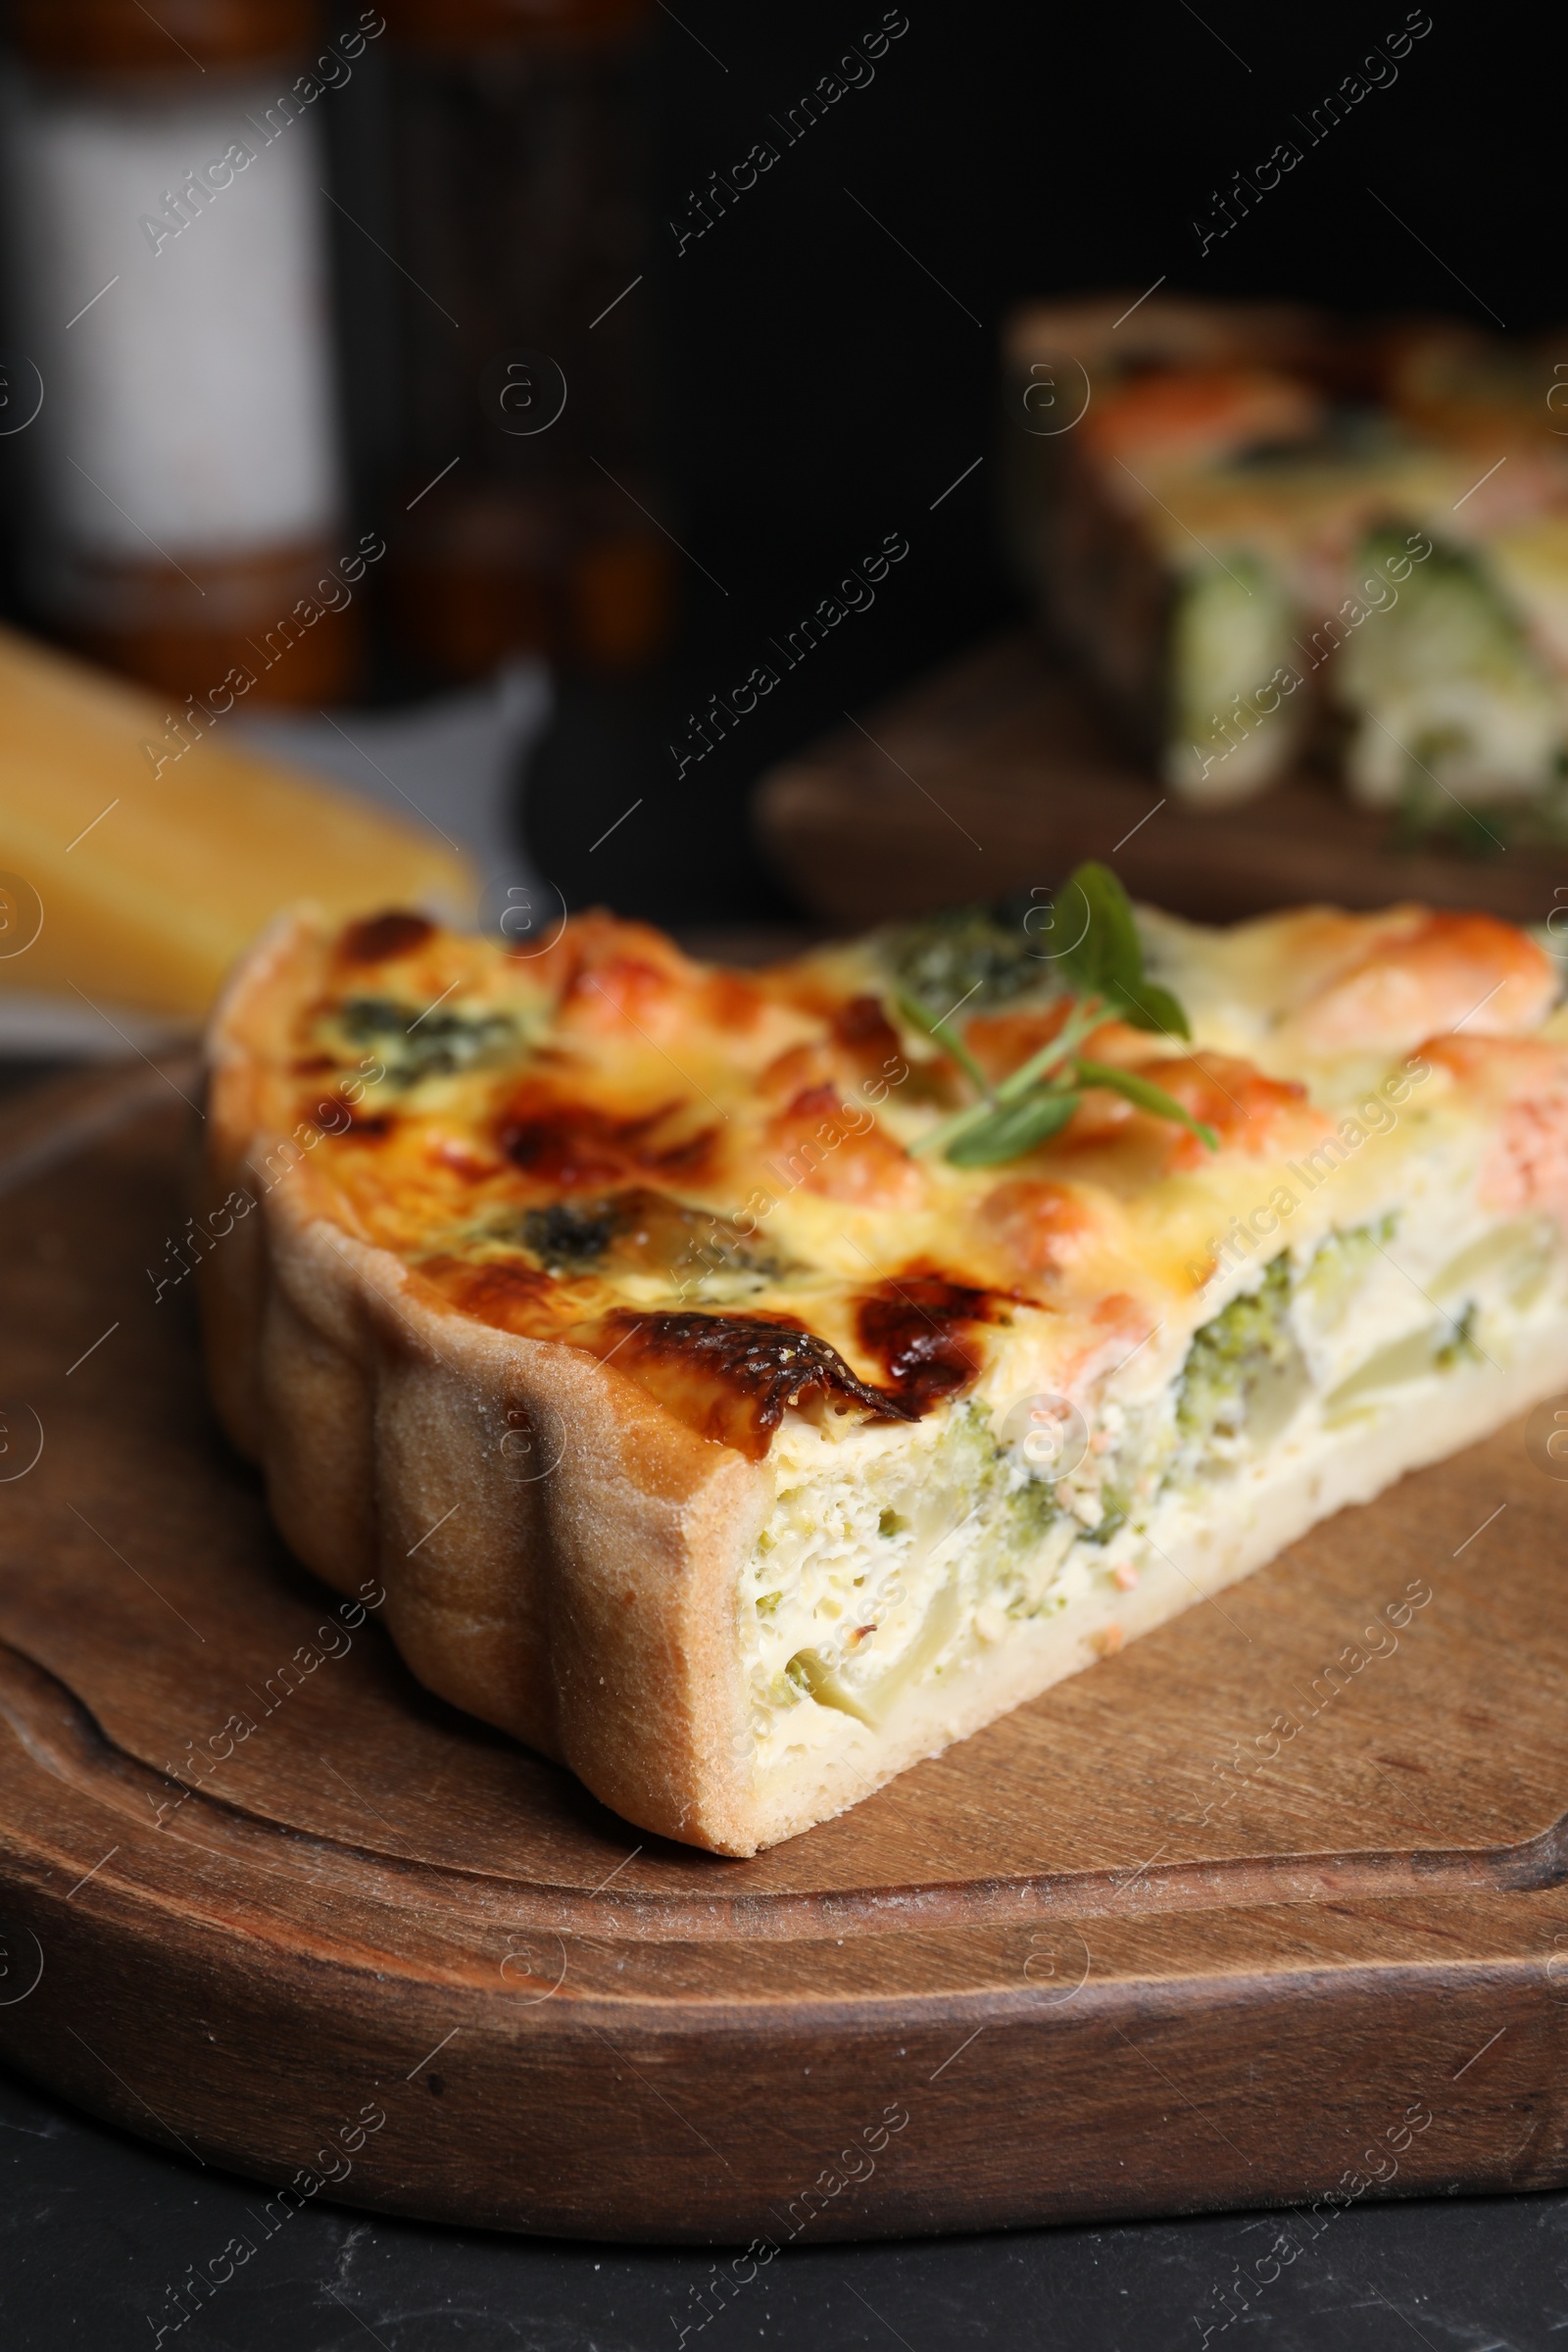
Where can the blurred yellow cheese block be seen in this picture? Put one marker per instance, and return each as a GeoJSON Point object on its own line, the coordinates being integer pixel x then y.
{"type": "Point", "coordinates": [152, 866]}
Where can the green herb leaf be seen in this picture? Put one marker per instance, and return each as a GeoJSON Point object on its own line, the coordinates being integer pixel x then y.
{"type": "Point", "coordinates": [1084, 1016]}
{"type": "Point", "coordinates": [1102, 968]}
{"type": "Point", "coordinates": [948, 1130]}
{"type": "Point", "coordinates": [1107, 958]}
{"type": "Point", "coordinates": [1147, 1096]}
{"type": "Point", "coordinates": [1013, 1130]}
{"type": "Point", "coordinates": [1151, 1006]}
{"type": "Point", "coordinates": [921, 1016]}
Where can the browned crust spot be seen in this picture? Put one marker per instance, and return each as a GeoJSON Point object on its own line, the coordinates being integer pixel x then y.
{"type": "Point", "coordinates": [378, 938]}
{"type": "Point", "coordinates": [916, 1328]}
{"type": "Point", "coordinates": [731, 1377]}
{"type": "Point", "coordinates": [503, 1293]}
{"type": "Point", "coordinates": [576, 1147]}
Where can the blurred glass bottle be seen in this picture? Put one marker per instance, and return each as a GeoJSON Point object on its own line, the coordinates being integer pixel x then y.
{"type": "Point", "coordinates": [181, 505]}
{"type": "Point", "coordinates": [520, 145]}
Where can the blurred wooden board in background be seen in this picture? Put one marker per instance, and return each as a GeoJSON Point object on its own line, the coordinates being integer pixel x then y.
{"type": "Point", "coordinates": [999, 773]}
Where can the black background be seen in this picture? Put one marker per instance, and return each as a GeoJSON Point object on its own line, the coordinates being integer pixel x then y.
{"type": "Point", "coordinates": [815, 389]}
{"type": "Point", "coordinates": [822, 389]}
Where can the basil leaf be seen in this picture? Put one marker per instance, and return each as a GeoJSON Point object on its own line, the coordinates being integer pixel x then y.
{"type": "Point", "coordinates": [1151, 1007]}
{"type": "Point", "coordinates": [1010, 1132]}
{"type": "Point", "coordinates": [1147, 1096]}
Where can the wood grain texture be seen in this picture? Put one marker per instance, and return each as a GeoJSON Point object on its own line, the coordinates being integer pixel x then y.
{"type": "Point", "coordinates": [1111, 1956]}
{"type": "Point", "coordinates": [998, 773]}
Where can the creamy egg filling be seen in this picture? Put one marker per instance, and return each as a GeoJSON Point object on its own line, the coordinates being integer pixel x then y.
{"type": "Point", "coordinates": [895, 1558]}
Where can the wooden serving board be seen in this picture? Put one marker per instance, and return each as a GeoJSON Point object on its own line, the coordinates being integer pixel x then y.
{"type": "Point", "coordinates": [1001, 774]}
{"type": "Point", "coordinates": [1139, 1947]}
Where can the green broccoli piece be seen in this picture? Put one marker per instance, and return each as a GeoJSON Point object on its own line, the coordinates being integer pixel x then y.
{"type": "Point", "coordinates": [972, 955]}
{"type": "Point", "coordinates": [1461, 1347]}
{"type": "Point", "coordinates": [1244, 1370]}
{"type": "Point", "coordinates": [1341, 1263]}
{"type": "Point", "coordinates": [1445, 690]}
{"type": "Point", "coordinates": [412, 1045]}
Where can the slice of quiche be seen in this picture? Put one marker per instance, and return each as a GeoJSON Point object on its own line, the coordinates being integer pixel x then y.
{"type": "Point", "coordinates": [746, 1383]}
{"type": "Point", "coordinates": [1267, 540]}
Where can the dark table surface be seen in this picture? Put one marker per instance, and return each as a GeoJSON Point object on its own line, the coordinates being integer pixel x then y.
{"type": "Point", "coordinates": [97, 2227]}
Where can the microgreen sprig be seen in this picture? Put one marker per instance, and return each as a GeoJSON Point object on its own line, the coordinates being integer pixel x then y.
{"type": "Point", "coordinates": [1104, 969]}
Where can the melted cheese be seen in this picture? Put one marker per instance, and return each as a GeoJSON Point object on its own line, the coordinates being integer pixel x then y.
{"type": "Point", "coordinates": [712, 1181]}
{"type": "Point", "coordinates": [751, 1136]}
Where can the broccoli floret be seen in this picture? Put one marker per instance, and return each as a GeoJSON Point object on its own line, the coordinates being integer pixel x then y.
{"type": "Point", "coordinates": [1244, 1370]}
{"type": "Point", "coordinates": [972, 955]}
{"type": "Point", "coordinates": [572, 1237]}
{"type": "Point", "coordinates": [1447, 691]}
{"type": "Point", "coordinates": [1341, 1264]}
{"type": "Point", "coordinates": [1031, 1509]}
{"type": "Point", "coordinates": [412, 1045]}
{"type": "Point", "coordinates": [643, 1232]}
{"type": "Point", "coordinates": [1117, 1504]}
{"type": "Point", "coordinates": [1230, 638]}
{"type": "Point", "coordinates": [1019, 1511]}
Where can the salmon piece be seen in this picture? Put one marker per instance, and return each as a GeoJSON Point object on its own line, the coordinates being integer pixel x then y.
{"type": "Point", "coordinates": [1117, 1326]}
{"type": "Point", "coordinates": [593, 938]}
{"type": "Point", "coordinates": [1506, 1070]}
{"type": "Point", "coordinates": [797, 1071]}
{"type": "Point", "coordinates": [1232, 1095]}
{"type": "Point", "coordinates": [1242, 1106]}
{"type": "Point", "coordinates": [1451, 972]}
{"type": "Point", "coordinates": [1000, 1042]}
{"type": "Point", "coordinates": [1314, 946]}
{"type": "Point", "coordinates": [733, 1000]}
{"type": "Point", "coordinates": [1526, 1166]}
{"type": "Point", "coordinates": [829, 1147]}
{"type": "Point", "coordinates": [613, 979]}
{"type": "Point", "coordinates": [1041, 1227]}
{"type": "Point", "coordinates": [624, 993]}
{"type": "Point", "coordinates": [1200, 412]}
{"type": "Point", "coordinates": [862, 1052]}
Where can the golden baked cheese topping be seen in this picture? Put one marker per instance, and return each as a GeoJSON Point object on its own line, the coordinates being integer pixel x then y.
{"type": "Point", "coordinates": [719, 1179]}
